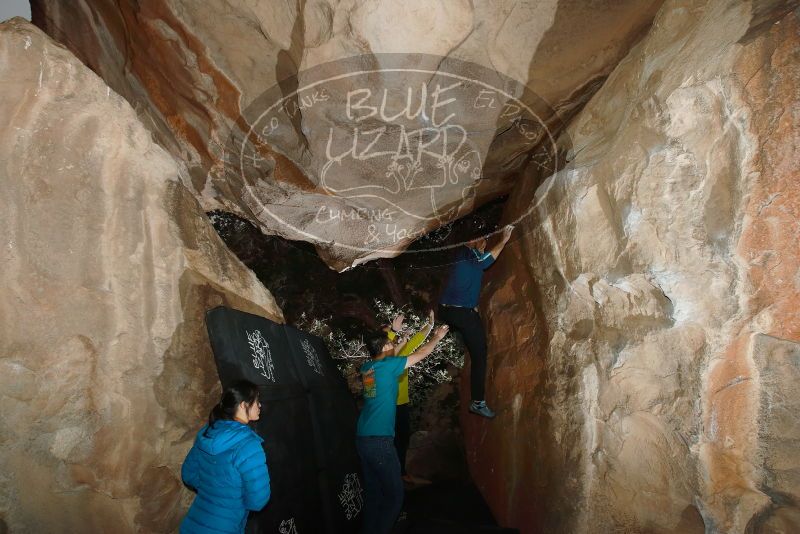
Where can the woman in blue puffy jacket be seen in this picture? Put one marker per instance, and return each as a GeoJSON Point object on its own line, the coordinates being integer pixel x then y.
{"type": "Point", "coordinates": [226, 466]}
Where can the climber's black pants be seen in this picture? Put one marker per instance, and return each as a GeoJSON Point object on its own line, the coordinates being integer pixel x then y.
{"type": "Point", "coordinates": [467, 322]}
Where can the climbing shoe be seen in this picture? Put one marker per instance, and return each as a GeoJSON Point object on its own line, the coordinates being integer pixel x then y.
{"type": "Point", "coordinates": [480, 408]}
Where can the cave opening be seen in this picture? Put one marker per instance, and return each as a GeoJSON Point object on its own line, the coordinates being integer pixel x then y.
{"type": "Point", "coordinates": [342, 307]}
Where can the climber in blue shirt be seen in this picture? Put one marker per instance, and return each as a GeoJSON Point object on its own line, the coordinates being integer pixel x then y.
{"type": "Point", "coordinates": [458, 307]}
{"type": "Point", "coordinates": [227, 466]}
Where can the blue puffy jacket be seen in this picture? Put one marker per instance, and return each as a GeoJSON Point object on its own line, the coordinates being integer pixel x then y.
{"type": "Point", "coordinates": [228, 469]}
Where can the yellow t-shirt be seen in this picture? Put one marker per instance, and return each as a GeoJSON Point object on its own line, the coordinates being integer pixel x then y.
{"type": "Point", "coordinates": [402, 389]}
{"type": "Point", "coordinates": [413, 344]}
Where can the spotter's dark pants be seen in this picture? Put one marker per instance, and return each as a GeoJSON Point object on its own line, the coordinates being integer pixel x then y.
{"type": "Point", "coordinates": [383, 486]}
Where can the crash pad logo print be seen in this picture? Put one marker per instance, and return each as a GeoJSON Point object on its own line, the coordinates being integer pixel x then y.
{"type": "Point", "coordinates": [350, 496]}
{"type": "Point", "coordinates": [312, 358]}
{"type": "Point", "coordinates": [288, 526]}
{"type": "Point", "coordinates": [262, 356]}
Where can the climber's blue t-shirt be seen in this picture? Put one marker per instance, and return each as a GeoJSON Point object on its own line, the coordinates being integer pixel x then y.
{"type": "Point", "coordinates": [464, 284]}
{"type": "Point", "coordinates": [380, 393]}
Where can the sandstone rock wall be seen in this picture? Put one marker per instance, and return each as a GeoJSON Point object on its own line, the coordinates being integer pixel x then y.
{"type": "Point", "coordinates": [108, 264]}
{"type": "Point", "coordinates": [645, 326]}
{"type": "Point", "coordinates": [194, 68]}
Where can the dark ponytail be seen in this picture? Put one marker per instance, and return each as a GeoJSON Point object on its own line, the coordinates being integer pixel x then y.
{"type": "Point", "coordinates": [235, 394]}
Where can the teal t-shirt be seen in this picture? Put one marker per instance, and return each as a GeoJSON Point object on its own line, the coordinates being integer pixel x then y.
{"type": "Point", "coordinates": [380, 393]}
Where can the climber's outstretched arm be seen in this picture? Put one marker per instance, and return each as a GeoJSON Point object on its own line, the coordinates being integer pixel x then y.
{"type": "Point", "coordinates": [498, 248]}
{"type": "Point", "coordinates": [426, 349]}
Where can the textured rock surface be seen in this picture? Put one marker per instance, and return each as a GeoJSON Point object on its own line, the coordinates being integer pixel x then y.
{"type": "Point", "coordinates": [108, 265]}
{"type": "Point", "coordinates": [194, 67]}
{"type": "Point", "coordinates": [645, 330]}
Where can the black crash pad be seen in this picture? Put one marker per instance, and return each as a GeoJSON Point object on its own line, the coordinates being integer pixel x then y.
{"type": "Point", "coordinates": [308, 421]}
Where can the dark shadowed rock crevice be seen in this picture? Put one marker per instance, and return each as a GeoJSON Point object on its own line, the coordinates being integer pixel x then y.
{"type": "Point", "coordinates": [303, 284]}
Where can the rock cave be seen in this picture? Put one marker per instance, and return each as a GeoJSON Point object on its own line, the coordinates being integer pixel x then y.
{"type": "Point", "coordinates": [317, 163]}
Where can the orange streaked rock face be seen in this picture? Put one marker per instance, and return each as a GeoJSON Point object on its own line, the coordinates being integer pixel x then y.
{"type": "Point", "coordinates": [645, 326]}
{"type": "Point", "coordinates": [194, 70]}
